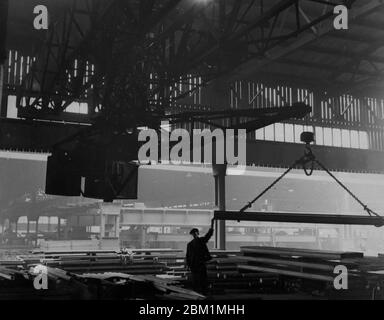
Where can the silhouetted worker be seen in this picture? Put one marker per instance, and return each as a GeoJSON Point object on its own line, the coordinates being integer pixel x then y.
{"type": "Point", "coordinates": [197, 257]}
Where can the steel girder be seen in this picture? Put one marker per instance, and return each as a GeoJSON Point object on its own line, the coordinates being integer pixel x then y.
{"type": "Point", "coordinates": [300, 218]}
{"type": "Point", "coordinates": [3, 28]}
{"type": "Point", "coordinates": [129, 60]}
{"type": "Point", "coordinates": [254, 66]}
{"type": "Point", "coordinates": [39, 136]}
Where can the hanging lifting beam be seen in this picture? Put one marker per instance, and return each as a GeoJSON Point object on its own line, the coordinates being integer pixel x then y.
{"type": "Point", "coordinates": [316, 218]}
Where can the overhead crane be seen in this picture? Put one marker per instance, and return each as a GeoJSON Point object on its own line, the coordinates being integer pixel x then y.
{"type": "Point", "coordinates": [371, 219]}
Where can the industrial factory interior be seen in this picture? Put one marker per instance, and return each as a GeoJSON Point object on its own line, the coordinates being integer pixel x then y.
{"type": "Point", "coordinates": [192, 150]}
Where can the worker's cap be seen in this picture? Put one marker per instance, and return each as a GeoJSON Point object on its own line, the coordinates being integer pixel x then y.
{"type": "Point", "coordinates": [193, 231]}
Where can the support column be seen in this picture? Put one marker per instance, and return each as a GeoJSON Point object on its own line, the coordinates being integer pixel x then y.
{"type": "Point", "coordinates": [143, 238]}
{"type": "Point", "coordinates": [318, 240]}
{"type": "Point", "coordinates": [58, 227]}
{"type": "Point", "coordinates": [2, 231]}
{"type": "Point", "coordinates": [2, 105]}
{"type": "Point", "coordinates": [109, 214]}
{"type": "Point", "coordinates": [219, 173]}
{"type": "Point", "coordinates": [273, 237]}
{"type": "Point", "coordinates": [28, 236]}
{"type": "Point", "coordinates": [117, 226]}
{"type": "Point", "coordinates": [3, 54]}
{"type": "Point", "coordinates": [102, 224]}
{"type": "Point", "coordinates": [37, 231]}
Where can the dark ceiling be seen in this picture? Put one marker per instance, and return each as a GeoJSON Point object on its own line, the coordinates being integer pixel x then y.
{"type": "Point", "coordinates": [319, 55]}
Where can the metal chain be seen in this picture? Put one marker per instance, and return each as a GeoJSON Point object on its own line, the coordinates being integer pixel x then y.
{"type": "Point", "coordinates": [310, 157]}
{"type": "Point", "coordinates": [365, 207]}
{"type": "Point", "coordinates": [249, 204]}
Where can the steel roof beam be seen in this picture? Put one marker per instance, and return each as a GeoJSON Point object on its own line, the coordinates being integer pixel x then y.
{"type": "Point", "coordinates": [341, 53]}
{"type": "Point", "coordinates": [253, 66]}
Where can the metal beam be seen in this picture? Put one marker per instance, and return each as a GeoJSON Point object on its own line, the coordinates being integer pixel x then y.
{"type": "Point", "coordinates": [282, 154]}
{"type": "Point", "coordinates": [253, 66]}
{"type": "Point", "coordinates": [327, 67]}
{"type": "Point", "coordinates": [351, 37]}
{"type": "Point", "coordinates": [3, 29]}
{"type": "Point", "coordinates": [376, 25]}
{"type": "Point", "coordinates": [219, 173]}
{"type": "Point", "coordinates": [3, 37]}
{"type": "Point", "coordinates": [35, 136]}
{"type": "Point", "coordinates": [39, 136]}
{"type": "Point", "coordinates": [342, 53]}
{"type": "Point", "coordinates": [300, 218]}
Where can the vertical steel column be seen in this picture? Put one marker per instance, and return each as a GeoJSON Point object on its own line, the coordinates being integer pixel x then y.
{"type": "Point", "coordinates": [3, 53]}
{"type": "Point", "coordinates": [37, 231]}
{"type": "Point", "coordinates": [317, 234]}
{"type": "Point", "coordinates": [58, 227]}
{"type": "Point", "coordinates": [27, 227]}
{"type": "Point", "coordinates": [1, 88]}
{"type": "Point", "coordinates": [102, 224]}
{"type": "Point", "coordinates": [143, 236]}
{"type": "Point", "coordinates": [2, 231]}
{"type": "Point", "coordinates": [219, 173]}
{"type": "Point", "coordinates": [117, 227]}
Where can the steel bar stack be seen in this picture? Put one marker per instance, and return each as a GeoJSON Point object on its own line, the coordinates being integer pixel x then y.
{"type": "Point", "coordinates": [17, 282]}
{"type": "Point", "coordinates": [254, 272]}
{"type": "Point", "coordinates": [140, 261]}
{"type": "Point", "coordinates": [313, 271]}
{"type": "Point", "coordinates": [225, 278]}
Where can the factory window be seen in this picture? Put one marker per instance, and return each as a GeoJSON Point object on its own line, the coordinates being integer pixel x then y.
{"type": "Point", "coordinates": [354, 139]}
{"type": "Point", "coordinates": [11, 107]}
{"type": "Point", "coordinates": [77, 107]}
{"type": "Point", "coordinates": [363, 140]}
{"type": "Point", "coordinates": [327, 134]}
{"type": "Point", "coordinates": [308, 128]}
{"type": "Point", "coordinates": [289, 137]}
{"type": "Point", "coordinates": [279, 132]}
{"type": "Point", "coordinates": [341, 138]}
{"type": "Point", "coordinates": [319, 136]}
{"type": "Point", "coordinates": [336, 137]}
{"type": "Point", "coordinates": [298, 130]}
{"type": "Point", "coordinates": [74, 107]}
{"type": "Point", "coordinates": [269, 133]}
{"type": "Point", "coordinates": [260, 134]}
{"type": "Point", "coordinates": [345, 138]}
